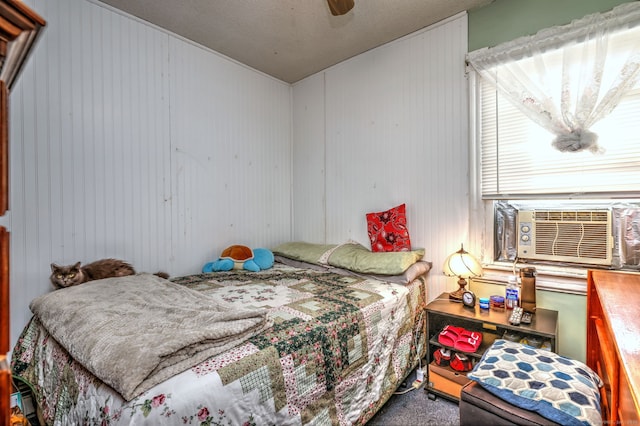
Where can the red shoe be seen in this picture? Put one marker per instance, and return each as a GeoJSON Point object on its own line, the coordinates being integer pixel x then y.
{"type": "Point", "coordinates": [442, 357]}
{"type": "Point", "coordinates": [461, 363]}
{"type": "Point", "coordinates": [469, 341]}
{"type": "Point", "coordinates": [449, 335]}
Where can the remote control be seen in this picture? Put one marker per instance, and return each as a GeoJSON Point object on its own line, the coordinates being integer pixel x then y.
{"type": "Point", "coordinates": [526, 318]}
{"type": "Point", "coordinates": [516, 316]}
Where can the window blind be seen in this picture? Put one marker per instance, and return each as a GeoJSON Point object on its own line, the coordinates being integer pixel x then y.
{"type": "Point", "coordinates": [515, 164]}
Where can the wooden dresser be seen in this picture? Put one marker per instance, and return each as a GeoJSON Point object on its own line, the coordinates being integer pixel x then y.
{"type": "Point", "coordinates": [613, 342]}
{"type": "Point", "coordinates": [19, 29]}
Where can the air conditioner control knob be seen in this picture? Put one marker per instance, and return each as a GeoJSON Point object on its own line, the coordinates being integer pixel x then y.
{"type": "Point", "coordinates": [525, 238]}
{"type": "Point", "coordinates": [525, 228]}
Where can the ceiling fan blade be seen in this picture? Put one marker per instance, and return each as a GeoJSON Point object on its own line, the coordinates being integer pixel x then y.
{"type": "Point", "coordinates": [340, 7]}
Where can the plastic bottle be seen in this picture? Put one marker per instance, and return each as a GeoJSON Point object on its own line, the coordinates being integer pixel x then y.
{"type": "Point", "coordinates": [511, 293]}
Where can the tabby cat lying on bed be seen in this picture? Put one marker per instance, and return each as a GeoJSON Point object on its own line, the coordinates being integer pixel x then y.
{"type": "Point", "coordinates": [67, 276]}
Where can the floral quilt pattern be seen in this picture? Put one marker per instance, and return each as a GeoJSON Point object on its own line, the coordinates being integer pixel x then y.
{"type": "Point", "coordinates": [338, 348]}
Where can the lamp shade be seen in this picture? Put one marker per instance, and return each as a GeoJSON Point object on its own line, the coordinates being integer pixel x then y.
{"type": "Point", "coordinates": [462, 264]}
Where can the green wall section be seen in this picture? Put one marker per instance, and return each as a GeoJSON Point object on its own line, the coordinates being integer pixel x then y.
{"type": "Point", "coordinates": [572, 316]}
{"type": "Point", "coordinates": [505, 20]}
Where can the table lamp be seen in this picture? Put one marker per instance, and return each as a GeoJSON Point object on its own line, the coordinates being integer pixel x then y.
{"type": "Point", "coordinates": [463, 265]}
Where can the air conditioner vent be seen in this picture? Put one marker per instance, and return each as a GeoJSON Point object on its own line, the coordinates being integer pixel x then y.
{"type": "Point", "coordinates": [572, 216]}
{"type": "Point", "coordinates": [578, 236]}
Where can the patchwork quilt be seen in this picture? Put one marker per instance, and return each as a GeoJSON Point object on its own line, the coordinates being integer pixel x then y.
{"type": "Point", "coordinates": [338, 348]}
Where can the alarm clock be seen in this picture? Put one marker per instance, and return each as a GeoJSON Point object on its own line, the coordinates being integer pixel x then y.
{"type": "Point", "coordinates": [469, 299]}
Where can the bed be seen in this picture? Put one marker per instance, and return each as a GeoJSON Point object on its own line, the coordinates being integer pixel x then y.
{"type": "Point", "coordinates": [325, 336]}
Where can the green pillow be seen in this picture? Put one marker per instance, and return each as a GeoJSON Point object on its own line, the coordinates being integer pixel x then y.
{"type": "Point", "coordinates": [358, 258]}
{"type": "Point", "coordinates": [306, 252]}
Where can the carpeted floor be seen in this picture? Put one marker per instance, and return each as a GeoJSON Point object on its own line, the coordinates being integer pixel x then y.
{"type": "Point", "coordinates": [415, 408]}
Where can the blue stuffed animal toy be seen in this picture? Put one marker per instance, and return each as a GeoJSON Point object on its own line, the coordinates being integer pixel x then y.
{"type": "Point", "coordinates": [241, 257]}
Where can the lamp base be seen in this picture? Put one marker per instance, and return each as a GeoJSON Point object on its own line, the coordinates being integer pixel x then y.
{"type": "Point", "coordinates": [457, 295]}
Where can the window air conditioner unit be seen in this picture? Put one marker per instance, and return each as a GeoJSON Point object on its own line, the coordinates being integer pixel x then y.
{"type": "Point", "coordinates": [575, 236]}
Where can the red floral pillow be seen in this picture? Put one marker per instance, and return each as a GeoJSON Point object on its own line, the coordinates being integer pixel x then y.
{"type": "Point", "coordinates": [388, 230]}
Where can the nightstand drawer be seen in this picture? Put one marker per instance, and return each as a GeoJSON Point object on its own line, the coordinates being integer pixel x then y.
{"type": "Point", "coordinates": [447, 380]}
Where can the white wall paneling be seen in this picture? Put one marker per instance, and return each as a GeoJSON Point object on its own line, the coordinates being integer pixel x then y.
{"type": "Point", "coordinates": [395, 131]}
{"type": "Point", "coordinates": [129, 142]}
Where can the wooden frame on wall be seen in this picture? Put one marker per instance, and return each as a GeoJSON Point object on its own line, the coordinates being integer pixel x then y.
{"type": "Point", "coordinates": [19, 30]}
{"type": "Point", "coordinates": [20, 27]}
{"type": "Point", "coordinates": [5, 372]}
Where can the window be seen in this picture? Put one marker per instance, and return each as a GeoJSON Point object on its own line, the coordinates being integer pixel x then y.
{"type": "Point", "coordinates": [544, 99]}
{"type": "Point", "coordinates": [518, 158]}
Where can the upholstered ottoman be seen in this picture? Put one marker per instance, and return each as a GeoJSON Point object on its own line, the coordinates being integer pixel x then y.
{"type": "Point", "coordinates": [518, 384]}
{"type": "Point", "coordinates": [480, 407]}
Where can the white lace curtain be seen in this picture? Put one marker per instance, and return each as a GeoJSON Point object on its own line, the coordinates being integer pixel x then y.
{"type": "Point", "coordinates": [567, 78]}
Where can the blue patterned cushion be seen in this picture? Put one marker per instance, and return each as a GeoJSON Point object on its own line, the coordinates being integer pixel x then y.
{"type": "Point", "coordinates": [558, 388]}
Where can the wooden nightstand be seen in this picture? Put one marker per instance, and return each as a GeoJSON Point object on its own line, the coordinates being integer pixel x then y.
{"type": "Point", "coordinates": [493, 324]}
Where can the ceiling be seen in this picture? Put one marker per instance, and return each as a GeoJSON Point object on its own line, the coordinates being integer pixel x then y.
{"type": "Point", "coordinates": [292, 39]}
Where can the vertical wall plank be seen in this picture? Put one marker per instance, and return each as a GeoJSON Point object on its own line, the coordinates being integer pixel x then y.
{"type": "Point", "coordinates": [4, 150]}
{"type": "Point", "coordinates": [5, 342]}
{"type": "Point", "coordinates": [309, 160]}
